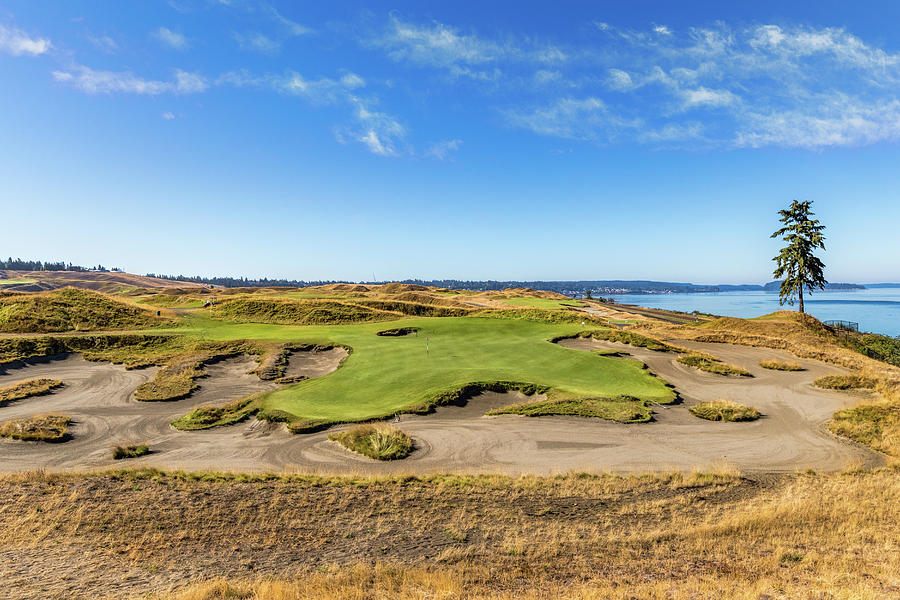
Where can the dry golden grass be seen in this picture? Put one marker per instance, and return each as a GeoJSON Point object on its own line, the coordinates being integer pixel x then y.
{"type": "Point", "coordinates": [668, 536]}
{"type": "Point", "coordinates": [845, 382]}
{"type": "Point", "coordinates": [39, 428]}
{"type": "Point", "coordinates": [375, 440]}
{"type": "Point", "coordinates": [724, 410]}
{"type": "Point", "coordinates": [780, 365]}
{"type": "Point", "coordinates": [27, 389]}
{"type": "Point", "coordinates": [711, 364]}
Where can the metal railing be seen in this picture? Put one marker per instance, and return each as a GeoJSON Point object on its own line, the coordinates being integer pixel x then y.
{"type": "Point", "coordinates": [848, 325]}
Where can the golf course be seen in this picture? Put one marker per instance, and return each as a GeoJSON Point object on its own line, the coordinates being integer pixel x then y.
{"type": "Point", "coordinates": [406, 372]}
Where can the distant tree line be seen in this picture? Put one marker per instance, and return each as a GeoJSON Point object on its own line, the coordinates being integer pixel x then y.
{"type": "Point", "coordinates": [231, 282]}
{"type": "Point", "coordinates": [570, 287]}
{"type": "Point", "coordinates": [17, 264]}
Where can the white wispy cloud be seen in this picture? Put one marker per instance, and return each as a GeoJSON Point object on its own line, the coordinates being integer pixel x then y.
{"type": "Point", "coordinates": [840, 121]}
{"type": "Point", "coordinates": [259, 42]}
{"type": "Point", "coordinates": [168, 116]}
{"type": "Point", "coordinates": [443, 150]}
{"type": "Point", "coordinates": [620, 80]}
{"type": "Point", "coordinates": [91, 81]}
{"type": "Point", "coordinates": [381, 133]}
{"type": "Point", "coordinates": [765, 85]}
{"type": "Point", "coordinates": [458, 53]}
{"type": "Point", "coordinates": [170, 38]}
{"type": "Point", "coordinates": [376, 146]}
{"type": "Point", "coordinates": [292, 27]}
{"type": "Point", "coordinates": [706, 97]}
{"type": "Point", "coordinates": [17, 42]}
{"type": "Point", "coordinates": [586, 119]}
{"type": "Point", "coordinates": [104, 43]}
{"type": "Point", "coordinates": [352, 81]}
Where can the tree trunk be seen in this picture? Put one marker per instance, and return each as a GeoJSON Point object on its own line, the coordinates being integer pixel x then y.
{"type": "Point", "coordinates": [801, 299]}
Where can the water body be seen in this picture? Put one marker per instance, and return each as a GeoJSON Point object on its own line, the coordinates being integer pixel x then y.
{"type": "Point", "coordinates": [876, 310]}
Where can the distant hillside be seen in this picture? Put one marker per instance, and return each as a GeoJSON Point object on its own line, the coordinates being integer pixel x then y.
{"type": "Point", "coordinates": [773, 286]}
{"type": "Point", "coordinates": [102, 281]}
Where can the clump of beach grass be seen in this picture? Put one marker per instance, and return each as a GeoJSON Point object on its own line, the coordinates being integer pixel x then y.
{"type": "Point", "coordinates": [120, 452]}
{"type": "Point", "coordinates": [724, 410]}
{"type": "Point", "coordinates": [27, 389]}
{"type": "Point", "coordinates": [780, 365]}
{"type": "Point", "coordinates": [623, 409]}
{"type": "Point", "coordinates": [711, 364]}
{"type": "Point", "coordinates": [207, 417]}
{"type": "Point", "coordinates": [39, 428]}
{"type": "Point", "coordinates": [845, 382]}
{"type": "Point", "coordinates": [379, 441]}
{"type": "Point", "coordinates": [169, 385]}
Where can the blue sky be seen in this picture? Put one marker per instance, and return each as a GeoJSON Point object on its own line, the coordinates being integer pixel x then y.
{"type": "Point", "coordinates": [501, 140]}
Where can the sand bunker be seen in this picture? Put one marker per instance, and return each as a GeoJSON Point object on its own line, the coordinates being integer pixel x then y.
{"type": "Point", "coordinates": [314, 363]}
{"type": "Point", "coordinates": [791, 436]}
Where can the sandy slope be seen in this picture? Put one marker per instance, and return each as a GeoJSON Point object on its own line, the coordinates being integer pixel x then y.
{"type": "Point", "coordinates": [790, 437]}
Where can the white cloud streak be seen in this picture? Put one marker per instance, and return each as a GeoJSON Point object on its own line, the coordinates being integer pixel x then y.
{"type": "Point", "coordinates": [90, 81]}
{"type": "Point", "coordinates": [459, 54]}
{"type": "Point", "coordinates": [18, 43]}
{"type": "Point", "coordinates": [253, 40]}
{"type": "Point", "coordinates": [443, 150]}
{"type": "Point", "coordinates": [170, 38]}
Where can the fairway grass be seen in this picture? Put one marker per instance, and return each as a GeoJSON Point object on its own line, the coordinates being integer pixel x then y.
{"type": "Point", "coordinates": [544, 303]}
{"type": "Point", "coordinates": [384, 375]}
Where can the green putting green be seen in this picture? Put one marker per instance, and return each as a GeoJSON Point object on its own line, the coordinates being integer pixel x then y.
{"type": "Point", "coordinates": [388, 374]}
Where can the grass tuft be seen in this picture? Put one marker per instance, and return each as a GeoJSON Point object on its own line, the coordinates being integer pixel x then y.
{"type": "Point", "coordinates": [779, 365]}
{"type": "Point", "coordinates": [379, 441]}
{"type": "Point", "coordinates": [27, 389]}
{"type": "Point", "coordinates": [710, 364]}
{"type": "Point", "coordinates": [845, 382]}
{"type": "Point", "coordinates": [168, 385]}
{"type": "Point", "coordinates": [39, 428]}
{"type": "Point", "coordinates": [724, 410]}
{"type": "Point", "coordinates": [207, 417]}
{"type": "Point", "coordinates": [120, 452]}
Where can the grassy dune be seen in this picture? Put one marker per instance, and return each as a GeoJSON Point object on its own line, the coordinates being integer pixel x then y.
{"type": "Point", "coordinates": [71, 309]}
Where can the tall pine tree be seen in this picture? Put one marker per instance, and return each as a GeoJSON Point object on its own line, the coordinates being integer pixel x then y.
{"type": "Point", "coordinates": [797, 264]}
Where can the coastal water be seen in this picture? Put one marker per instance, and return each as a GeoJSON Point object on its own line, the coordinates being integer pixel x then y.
{"type": "Point", "coordinates": [875, 309]}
